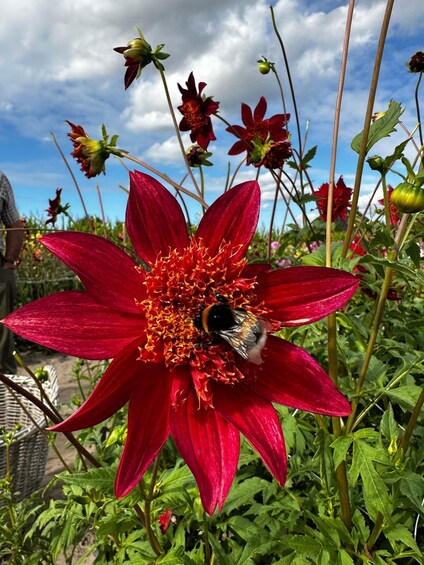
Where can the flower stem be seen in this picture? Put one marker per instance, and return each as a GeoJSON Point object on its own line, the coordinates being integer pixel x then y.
{"type": "Point", "coordinates": [165, 177]}
{"type": "Point", "coordinates": [417, 105]}
{"type": "Point", "coordinates": [206, 536]}
{"type": "Point", "coordinates": [153, 540]}
{"type": "Point", "coordinates": [177, 131]}
{"type": "Point", "coordinates": [376, 321]}
{"type": "Point", "coordinates": [367, 123]}
{"type": "Point", "coordinates": [51, 415]}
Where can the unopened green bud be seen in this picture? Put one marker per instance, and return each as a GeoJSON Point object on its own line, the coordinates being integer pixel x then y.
{"type": "Point", "coordinates": [408, 198]}
{"type": "Point", "coordinates": [264, 67]}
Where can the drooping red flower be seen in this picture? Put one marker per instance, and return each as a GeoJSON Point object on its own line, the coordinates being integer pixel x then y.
{"type": "Point", "coordinates": [257, 129]}
{"type": "Point", "coordinates": [197, 110]}
{"type": "Point", "coordinates": [394, 214]}
{"type": "Point", "coordinates": [341, 200]}
{"type": "Point", "coordinates": [91, 154]}
{"type": "Point", "coordinates": [416, 63]}
{"type": "Point", "coordinates": [176, 381]}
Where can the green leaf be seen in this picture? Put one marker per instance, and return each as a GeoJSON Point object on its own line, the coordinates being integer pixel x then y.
{"type": "Point", "coordinates": [401, 534]}
{"type": "Point", "coordinates": [381, 128]}
{"type": "Point", "coordinates": [102, 480]}
{"type": "Point", "coordinates": [389, 427]}
{"type": "Point", "coordinates": [340, 446]}
{"type": "Point", "coordinates": [343, 558]}
{"type": "Point", "coordinates": [305, 545]}
{"type": "Point", "coordinates": [244, 493]}
{"type": "Point", "coordinates": [412, 249]}
{"type": "Point", "coordinates": [397, 267]}
{"type": "Point", "coordinates": [412, 486]}
{"type": "Point", "coordinates": [376, 496]}
{"type": "Point", "coordinates": [406, 396]}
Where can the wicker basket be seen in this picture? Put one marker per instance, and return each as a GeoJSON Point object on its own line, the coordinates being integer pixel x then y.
{"type": "Point", "coordinates": [28, 452]}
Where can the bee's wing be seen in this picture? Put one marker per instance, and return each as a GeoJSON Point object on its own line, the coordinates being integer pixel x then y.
{"type": "Point", "coordinates": [244, 335]}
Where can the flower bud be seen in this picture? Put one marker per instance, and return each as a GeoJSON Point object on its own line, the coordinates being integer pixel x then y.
{"type": "Point", "coordinates": [408, 198]}
{"type": "Point", "coordinates": [264, 67]}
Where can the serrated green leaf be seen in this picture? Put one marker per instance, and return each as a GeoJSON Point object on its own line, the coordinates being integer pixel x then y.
{"type": "Point", "coordinates": [243, 493]}
{"type": "Point", "coordinates": [412, 249]}
{"type": "Point", "coordinates": [389, 427]}
{"type": "Point", "coordinates": [397, 267]}
{"type": "Point", "coordinates": [340, 446]}
{"type": "Point", "coordinates": [381, 128]}
{"type": "Point", "coordinates": [102, 480]}
{"type": "Point", "coordinates": [343, 558]}
{"type": "Point", "coordinates": [412, 486]}
{"type": "Point", "coordinates": [376, 496]}
{"type": "Point", "coordinates": [399, 533]}
{"type": "Point", "coordinates": [307, 546]}
{"type": "Point", "coordinates": [406, 396]}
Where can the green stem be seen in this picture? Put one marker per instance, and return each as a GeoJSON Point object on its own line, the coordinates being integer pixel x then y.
{"type": "Point", "coordinates": [367, 124]}
{"type": "Point", "coordinates": [51, 415]}
{"type": "Point", "coordinates": [386, 202]}
{"type": "Point", "coordinates": [417, 105]}
{"type": "Point", "coordinates": [412, 422]}
{"type": "Point", "coordinates": [153, 540]}
{"type": "Point", "coordinates": [375, 531]}
{"type": "Point", "coordinates": [208, 555]}
{"type": "Point", "coordinates": [177, 131]}
{"type": "Point", "coordinates": [376, 322]}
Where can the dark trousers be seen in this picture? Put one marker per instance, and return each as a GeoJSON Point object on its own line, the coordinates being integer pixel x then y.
{"type": "Point", "coordinates": [7, 301]}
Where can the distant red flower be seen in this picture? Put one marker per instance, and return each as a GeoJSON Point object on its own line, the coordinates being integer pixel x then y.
{"type": "Point", "coordinates": [55, 208]}
{"type": "Point", "coordinates": [176, 382]}
{"type": "Point", "coordinates": [37, 255]}
{"type": "Point", "coordinates": [257, 129]}
{"type": "Point", "coordinates": [341, 200]}
{"type": "Point", "coordinates": [416, 63]}
{"type": "Point", "coordinates": [357, 249]}
{"type": "Point", "coordinates": [165, 520]}
{"type": "Point", "coordinates": [197, 110]}
{"type": "Point", "coordinates": [394, 215]}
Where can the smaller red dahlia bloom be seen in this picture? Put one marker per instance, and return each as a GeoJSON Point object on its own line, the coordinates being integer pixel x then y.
{"type": "Point", "coordinates": [341, 200]}
{"type": "Point", "coordinates": [197, 110]}
{"type": "Point", "coordinates": [165, 520]}
{"type": "Point", "coordinates": [55, 207]}
{"type": "Point", "coordinates": [416, 63]}
{"type": "Point", "coordinates": [257, 130]}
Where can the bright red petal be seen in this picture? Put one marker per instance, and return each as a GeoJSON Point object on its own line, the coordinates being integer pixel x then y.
{"type": "Point", "coordinates": [154, 218]}
{"type": "Point", "coordinates": [290, 376]}
{"type": "Point", "coordinates": [301, 295]}
{"type": "Point", "coordinates": [73, 323]}
{"type": "Point", "coordinates": [210, 446]}
{"type": "Point", "coordinates": [148, 425]}
{"type": "Point", "coordinates": [111, 393]}
{"type": "Point", "coordinates": [257, 420]}
{"type": "Point", "coordinates": [108, 274]}
{"type": "Point", "coordinates": [233, 217]}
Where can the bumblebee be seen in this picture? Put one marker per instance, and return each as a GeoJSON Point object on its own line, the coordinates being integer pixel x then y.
{"type": "Point", "coordinates": [242, 330]}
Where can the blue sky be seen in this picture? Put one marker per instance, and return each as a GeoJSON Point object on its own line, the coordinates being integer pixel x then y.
{"type": "Point", "coordinates": [58, 63]}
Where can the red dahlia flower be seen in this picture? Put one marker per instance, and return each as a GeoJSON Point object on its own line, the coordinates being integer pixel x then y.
{"type": "Point", "coordinates": [176, 381]}
{"type": "Point", "coordinates": [257, 130]}
{"type": "Point", "coordinates": [55, 207]}
{"type": "Point", "coordinates": [197, 110]}
{"type": "Point", "coordinates": [341, 200]}
{"type": "Point", "coordinates": [394, 214]}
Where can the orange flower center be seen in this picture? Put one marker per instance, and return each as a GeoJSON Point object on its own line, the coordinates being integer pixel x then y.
{"type": "Point", "coordinates": [178, 285]}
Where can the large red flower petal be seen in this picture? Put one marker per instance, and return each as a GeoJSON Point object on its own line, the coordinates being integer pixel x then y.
{"type": "Point", "coordinates": [111, 393]}
{"type": "Point", "coordinates": [108, 274]}
{"type": "Point", "coordinates": [233, 217]}
{"type": "Point", "coordinates": [257, 420]}
{"type": "Point", "coordinates": [210, 446]}
{"type": "Point", "coordinates": [289, 375]}
{"type": "Point", "coordinates": [301, 295]}
{"type": "Point", "coordinates": [73, 323]}
{"type": "Point", "coordinates": [260, 111]}
{"type": "Point", "coordinates": [154, 218]}
{"type": "Point", "coordinates": [148, 425]}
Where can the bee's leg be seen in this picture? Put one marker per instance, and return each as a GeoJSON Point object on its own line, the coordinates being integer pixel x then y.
{"type": "Point", "coordinates": [221, 297]}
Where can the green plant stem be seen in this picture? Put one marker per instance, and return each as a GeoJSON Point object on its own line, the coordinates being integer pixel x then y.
{"type": "Point", "coordinates": [271, 222]}
{"type": "Point", "coordinates": [375, 531]}
{"type": "Point", "coordinates": [417, 106]}
{"type": "Point", "coordinates": [376, 321]}
{"type": "Point", "coordinates": [367, 124]}
{"type": "Point", "coordinates": [206, 537]}
{"type": "Point", "coordinates": [165, 177]}
{"type": "Point", "coordinates": [386, 202]}
{"type": "Point", "coordinates": [341, 471]}
{"type": "Point", "coordinates": [153, 540]}
{"type": "Point", "coordinates": [412, 422]}
{"type": "Point", "coordinates": [51, 415]}
{"type": "Point", "coordinates": [177, 132]}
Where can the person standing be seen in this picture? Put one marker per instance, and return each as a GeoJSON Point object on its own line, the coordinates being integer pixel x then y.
{"type": "Point", "coordinates": [10, 247]}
